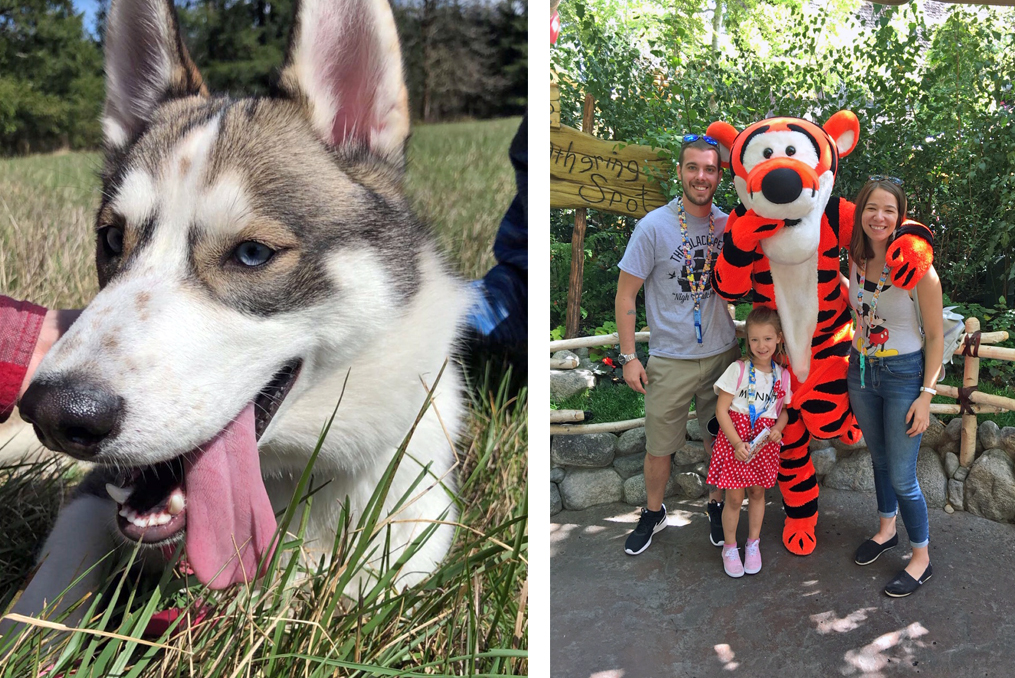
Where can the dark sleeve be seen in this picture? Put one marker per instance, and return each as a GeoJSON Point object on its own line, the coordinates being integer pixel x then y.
{"type": "Point", "coordinates": [20, 326]}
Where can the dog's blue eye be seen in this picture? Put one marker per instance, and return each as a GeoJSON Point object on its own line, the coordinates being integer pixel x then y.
{"type": "Point", "coordinates": [252, 253]}
{"type": "Point", "coordinates": [113, 238]}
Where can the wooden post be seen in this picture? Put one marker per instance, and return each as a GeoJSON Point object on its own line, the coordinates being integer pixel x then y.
{"type": "Point", "coordinates": [970, 378]}
{"type": "Point", "coordinates": [574, 288]}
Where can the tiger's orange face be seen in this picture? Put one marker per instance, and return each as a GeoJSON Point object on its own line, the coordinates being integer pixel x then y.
{"type": "Point", "coordinates": [784, 168]}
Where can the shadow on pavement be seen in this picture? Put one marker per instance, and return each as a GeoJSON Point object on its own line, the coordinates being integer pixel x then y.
{"type": "Point", "coordinates": [672, 611]}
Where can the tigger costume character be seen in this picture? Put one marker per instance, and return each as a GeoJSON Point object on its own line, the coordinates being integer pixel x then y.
{"type": "Point", "coordinates": [783, 243]}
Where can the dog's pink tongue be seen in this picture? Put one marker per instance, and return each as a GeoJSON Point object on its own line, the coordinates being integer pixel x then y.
{"type": "Point", "coordinates": [228, 511]}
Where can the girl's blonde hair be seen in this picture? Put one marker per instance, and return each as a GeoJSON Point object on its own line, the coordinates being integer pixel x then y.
{"type": "Point", "coordinates": [763, 315]}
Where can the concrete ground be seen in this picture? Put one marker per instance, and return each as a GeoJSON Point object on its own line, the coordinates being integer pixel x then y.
{"type": "Point", "coordinates": [672, 611]}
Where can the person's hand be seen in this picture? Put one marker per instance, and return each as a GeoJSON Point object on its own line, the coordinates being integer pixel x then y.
{"type": "Point", "coordinates": [742, 451]}
{"type": "Point", "coordinates": [774, 435]}
{"type": "Point", "coordinates": [54, 325]}
{"type": "Point", "coordinates": [919, 415]}
{"type": "Point", "coordinates": [634, 375]}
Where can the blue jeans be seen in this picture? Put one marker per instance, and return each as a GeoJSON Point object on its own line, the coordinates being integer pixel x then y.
{"type": "Point", "coordinates": [891, 385]}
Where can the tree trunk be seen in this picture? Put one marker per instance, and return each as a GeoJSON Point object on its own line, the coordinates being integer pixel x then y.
{"type": "Point", "coordinates": [716, 26]}
{"type": "Point", "coordinates": [574, 288]}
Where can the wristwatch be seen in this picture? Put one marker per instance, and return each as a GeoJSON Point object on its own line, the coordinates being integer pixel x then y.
{"type": "Point", "coordinates": [626, 358]}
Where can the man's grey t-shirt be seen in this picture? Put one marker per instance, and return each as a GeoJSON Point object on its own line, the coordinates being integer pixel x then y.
{"type": "Point", "coordinates": [655, 253]}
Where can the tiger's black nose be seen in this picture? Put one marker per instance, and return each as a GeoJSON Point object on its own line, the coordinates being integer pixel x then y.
{"type": "Point", "coordinates": [72, 415]}
{"type": "Point", "coordinates": [781, 186]}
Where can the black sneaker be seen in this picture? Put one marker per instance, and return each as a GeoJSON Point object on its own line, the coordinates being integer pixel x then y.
{"type": "Point", "coordinates": [715, 533]}
{"type": "Point", "coordinates": [649, 523]}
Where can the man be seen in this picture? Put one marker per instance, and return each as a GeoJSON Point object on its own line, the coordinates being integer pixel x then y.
{"type": "Point", "coordinates": [672, 252]}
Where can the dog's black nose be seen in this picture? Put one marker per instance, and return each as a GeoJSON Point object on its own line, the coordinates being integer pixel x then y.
{"type": "Point", "coordinates": [781, 186]}
{"type": "Point", "coordinates": [71, 415]}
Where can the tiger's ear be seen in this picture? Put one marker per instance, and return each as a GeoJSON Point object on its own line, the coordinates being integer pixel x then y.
{"type": "Point", "coordinates": [844, 128]}
{"type": "Point", "coordinates": [725, 134]}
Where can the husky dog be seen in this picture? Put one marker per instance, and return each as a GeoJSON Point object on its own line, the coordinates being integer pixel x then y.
{"type": "Point", "coordinates": [252, 253]}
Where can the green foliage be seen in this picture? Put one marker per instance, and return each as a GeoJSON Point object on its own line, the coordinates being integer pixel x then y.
{"type": "Point", "coordinates": [606, 237]}
{"type": "Point", "coordinates": [50, 78]}
{"type": "Point", "coordinates": [996, 376]}
{"type": "Point", "coordinates": [935, 102]}
{"type": "Point", "coordinates": [607, 402]}
{"type": "Point", "coordinates": [462, 60]}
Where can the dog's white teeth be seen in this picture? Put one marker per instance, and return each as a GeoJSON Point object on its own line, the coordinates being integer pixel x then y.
{"type": "Point", "coordinates": [119, 494]}
{"type": "Point", "coordinates": [176, 503]}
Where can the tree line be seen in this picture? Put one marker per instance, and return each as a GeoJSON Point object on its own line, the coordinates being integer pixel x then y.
{"type": "Point", "coordinates": [933, 88]}
{"type": "Point", "coordinates": [463, 59]}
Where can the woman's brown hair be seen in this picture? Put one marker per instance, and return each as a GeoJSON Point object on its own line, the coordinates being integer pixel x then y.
{"type": "Point", "coordinates": [860, 249]}
{"type": "Point", "coordinates": [763, 315]}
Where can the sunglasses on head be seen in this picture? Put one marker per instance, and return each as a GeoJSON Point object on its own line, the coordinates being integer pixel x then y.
{"type": "Point", "coordinates": [884, 177]}
{"type": "Point", "coordinates": [691, 138]}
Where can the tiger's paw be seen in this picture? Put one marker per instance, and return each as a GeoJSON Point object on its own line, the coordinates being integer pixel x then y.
{"type": "Point", "coordinates": [750, 229]}
{"type": "Point", "coordinates": [798, 535]}
{"type": "Point", "coordinates": [851, 435]}
{"type": "Point", "coordinates": [911, 254]}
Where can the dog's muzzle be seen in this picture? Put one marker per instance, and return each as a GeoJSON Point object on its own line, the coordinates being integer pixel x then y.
{"type": "Point", "coordinates": [72, 415]}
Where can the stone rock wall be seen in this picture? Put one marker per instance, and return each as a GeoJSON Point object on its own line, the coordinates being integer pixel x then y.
{"type": "Point", "coordinates": [600, 468]}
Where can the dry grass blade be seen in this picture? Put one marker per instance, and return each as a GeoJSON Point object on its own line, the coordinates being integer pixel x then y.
{"type": "Point", "coordinates": [54, 626]}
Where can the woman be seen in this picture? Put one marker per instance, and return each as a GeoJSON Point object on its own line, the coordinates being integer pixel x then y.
{"type": "Point", "coordinates": [891, 376]}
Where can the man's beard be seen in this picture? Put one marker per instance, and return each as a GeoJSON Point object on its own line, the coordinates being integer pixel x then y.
{"type": "Point", "coordinates": [692, 198]}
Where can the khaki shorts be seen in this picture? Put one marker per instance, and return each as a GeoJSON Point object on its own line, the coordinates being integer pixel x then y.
{"type": "Point", "coordinates": [671, 385]}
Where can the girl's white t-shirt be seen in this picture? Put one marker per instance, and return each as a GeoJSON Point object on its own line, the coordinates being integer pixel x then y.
{"type": "Point", "coordinates": [763, 391]}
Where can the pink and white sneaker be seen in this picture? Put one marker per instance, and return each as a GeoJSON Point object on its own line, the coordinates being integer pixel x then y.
{"type": "Point", "coordinates": [752, 556]}
{"type": "Point", "coordinates": [731, 560]}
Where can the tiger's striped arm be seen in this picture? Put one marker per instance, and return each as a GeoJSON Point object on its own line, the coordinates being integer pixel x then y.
{"type": "Point", "coordinates": [843, 222]}
{"type": "Point", "coordinates": [910, 254]}
{"type": "Point", "coordinates": [731, 278]}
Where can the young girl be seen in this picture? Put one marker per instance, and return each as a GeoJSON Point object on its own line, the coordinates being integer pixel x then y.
{"type": "Point", "coordinates": [752, 394]}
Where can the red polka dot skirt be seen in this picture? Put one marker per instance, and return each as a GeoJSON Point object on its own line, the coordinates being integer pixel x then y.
{"type": "Point", "coordinates": [727, 472]}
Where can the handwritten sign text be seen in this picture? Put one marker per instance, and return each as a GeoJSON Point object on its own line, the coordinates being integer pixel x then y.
{"type": "Point", "coordinates": [589, 172]}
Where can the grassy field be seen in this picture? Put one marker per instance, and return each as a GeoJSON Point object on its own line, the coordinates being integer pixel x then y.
{"type": "Point", "coordinates": [469, 618]}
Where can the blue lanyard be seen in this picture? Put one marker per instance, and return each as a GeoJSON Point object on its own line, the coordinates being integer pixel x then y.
{"type": "Point", "coordinates": [751, 381]}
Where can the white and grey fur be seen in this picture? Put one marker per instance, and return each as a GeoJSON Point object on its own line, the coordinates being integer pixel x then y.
{"type": "Point", "coordinates": [187, 336]}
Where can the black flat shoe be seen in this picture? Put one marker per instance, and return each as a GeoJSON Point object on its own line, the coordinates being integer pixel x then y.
{"type": "Point", "coordinates": [904, 584]}
{"type": "Point", "coordinates": [870, 550]}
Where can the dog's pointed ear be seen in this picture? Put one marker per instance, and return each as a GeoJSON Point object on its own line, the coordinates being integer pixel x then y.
{"type": "Point", "coordinates": [344, 66]}
{"type": "Point", "coordinates": [146, 63]}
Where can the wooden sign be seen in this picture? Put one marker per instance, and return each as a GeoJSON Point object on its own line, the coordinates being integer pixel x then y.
{"type": "Point", "coordinates": [554, 106]}
{"type": "Point", "coordinates": [589, 172]}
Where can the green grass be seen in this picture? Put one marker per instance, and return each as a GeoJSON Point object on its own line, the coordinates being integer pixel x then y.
{"type": "Point", "coordinates": [469, 618]}
{"type": "Point", "coordinates": [616, 402]}
{"type": "Point", "coordinates": [459, 180]}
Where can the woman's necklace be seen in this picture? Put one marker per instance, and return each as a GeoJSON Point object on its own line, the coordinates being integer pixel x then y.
{"type": "Point", "coordinates": [865, 328]}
